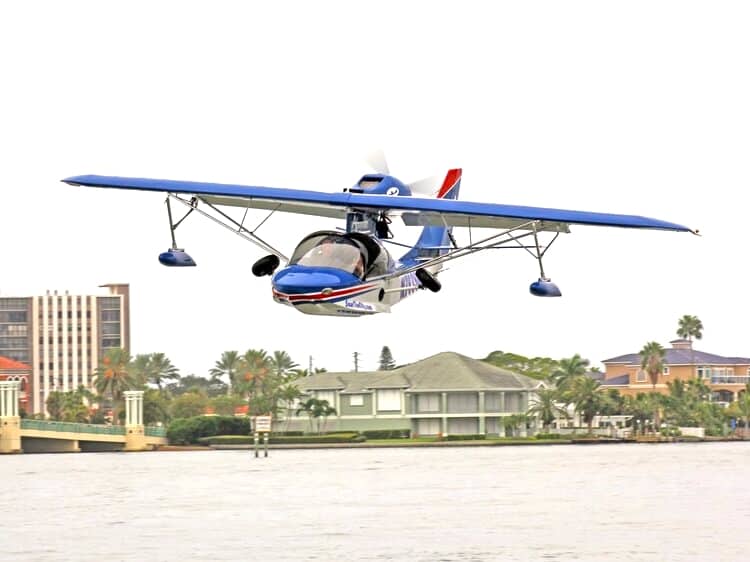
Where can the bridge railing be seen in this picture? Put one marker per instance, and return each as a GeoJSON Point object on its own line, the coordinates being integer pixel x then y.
{"type": "Point", "coordinates": [155, 431]}
{"type": "Point", "coordinates": [97, 429]}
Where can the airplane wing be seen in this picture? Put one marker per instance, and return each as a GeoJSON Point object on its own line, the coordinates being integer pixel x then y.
{"type": "Point", "coordinates": [415, 211]}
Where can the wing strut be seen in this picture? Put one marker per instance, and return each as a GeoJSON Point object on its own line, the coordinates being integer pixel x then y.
{"type": "Point", "coordinates": [544, 287]}
{"type": "Point", "coordinates": [176, 257]}
{"type": "Point", "coordinates": [240, 230]}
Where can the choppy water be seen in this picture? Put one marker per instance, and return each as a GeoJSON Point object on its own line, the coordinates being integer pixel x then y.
{"type": "Point", "coordinates": [586, 502]}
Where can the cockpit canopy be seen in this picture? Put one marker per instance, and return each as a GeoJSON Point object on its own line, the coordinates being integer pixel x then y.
{"type": "Point", "coordinates": [352, 252]}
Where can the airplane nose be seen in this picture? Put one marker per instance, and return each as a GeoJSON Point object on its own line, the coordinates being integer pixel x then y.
{"type": "Point", "coordinates": [300, 279]}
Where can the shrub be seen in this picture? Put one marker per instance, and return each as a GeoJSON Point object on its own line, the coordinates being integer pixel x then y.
{"type": "Point", "coordinates": [548, 436]}
{"type": "Point", "coordinates": [476, 437]}
{"type": "Point", "coordinates": [344, 437]}
{"type": "Point", "coordinates": [186, 431]}
{"type": "Point", "coordinates": [387, 433]}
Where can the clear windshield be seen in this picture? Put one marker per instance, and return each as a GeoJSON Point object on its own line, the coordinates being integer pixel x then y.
{"type": "Point", "coordinates": [330, 251]}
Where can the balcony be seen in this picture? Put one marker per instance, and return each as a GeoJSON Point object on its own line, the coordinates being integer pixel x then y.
{"type": "Point", "coordinates": [730, 379]}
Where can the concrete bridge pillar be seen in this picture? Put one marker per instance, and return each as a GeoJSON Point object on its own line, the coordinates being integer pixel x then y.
{"type": "Point", "coordinates": [135, 436]}
{"type": "Point", "coordinates": [10, 421]}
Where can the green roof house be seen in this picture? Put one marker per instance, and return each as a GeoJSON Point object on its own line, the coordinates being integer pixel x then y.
{"type": "Point", "coordinates": [446, 394]}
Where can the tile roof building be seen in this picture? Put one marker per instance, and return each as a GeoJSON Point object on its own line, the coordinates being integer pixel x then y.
{"type": "Point", "coordinates": [725, 376]}
{"type": "Point", "coordinates": [11, 370]}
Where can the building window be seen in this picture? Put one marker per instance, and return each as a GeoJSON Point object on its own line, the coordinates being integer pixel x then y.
{"type": "Point", "coordinates": [428, 402]}
{"type": "Point", "coordinates": [110, 315]}
{"type": "Point", "coordinates": [640, 376]}
{"type": "Point", "coordinates": [327, 395]}
{"type": "Point", "coordinates": [356, 400]}
{"type": "Point", "coordinates": [389, 400]}
{"type": "Point", "coordinates": [463, 402]}
{"type": "Point", "coordinates": [665, 371]}
{"type": "Point", "coordinates": [513, 402]}
{"type": "Point", "coordinates": [703, 372]}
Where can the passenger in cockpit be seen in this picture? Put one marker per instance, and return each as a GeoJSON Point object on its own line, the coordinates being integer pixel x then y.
{"type": "Point", "coordinates": [359, 266]}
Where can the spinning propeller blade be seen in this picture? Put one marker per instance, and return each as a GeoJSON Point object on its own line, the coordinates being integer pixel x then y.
{"type": "Point", "coordinates": [376, 160]}
{"type": "Point", "coordinates": [426, 186]}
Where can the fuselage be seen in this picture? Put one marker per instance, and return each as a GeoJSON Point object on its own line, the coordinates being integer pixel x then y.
{"type": "Point", "coordinates": [352, 273]}
{"type": "Point", "coordinates": [336, 274]}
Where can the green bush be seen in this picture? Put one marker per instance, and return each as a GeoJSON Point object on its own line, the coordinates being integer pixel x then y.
{"type": "Point", "coordinates": [344, 437]}
{"type": "Point", "coordinates": [226, 440]}
{"type": "Point", "coordinates": [186, 431]}
{"type": "Point", "coordinates": [548, 436]}
{"type": "Point", "coordinates": [670, 431]}
{"type": "Point", "coordinates": [387, 433]}
{"type": "Point", "coordinates": [476, 437]}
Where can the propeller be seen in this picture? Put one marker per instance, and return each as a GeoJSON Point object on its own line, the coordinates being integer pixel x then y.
{"type": "Point", "coordinates": [376, 160]}
{"type": "Point", "coordinates": [426, 186]}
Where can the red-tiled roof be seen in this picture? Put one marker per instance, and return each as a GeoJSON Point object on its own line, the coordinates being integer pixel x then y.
{"type": "Point", "coordinates": [11, 365]}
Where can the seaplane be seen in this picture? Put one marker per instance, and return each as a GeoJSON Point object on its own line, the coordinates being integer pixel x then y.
{"type": "Point", "coordinates": [352, 270]}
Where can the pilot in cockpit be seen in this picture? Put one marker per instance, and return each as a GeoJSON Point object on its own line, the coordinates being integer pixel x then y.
{"type": "Point", "coordinates": [337, 252]}
{"type": "Point", "coordinates": [358, 267]}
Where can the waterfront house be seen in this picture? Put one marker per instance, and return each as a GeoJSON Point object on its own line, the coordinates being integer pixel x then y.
{"type": "Point", "coordinates": [445, 394]}
{"type": "Point", "coordinates": [725, 376]}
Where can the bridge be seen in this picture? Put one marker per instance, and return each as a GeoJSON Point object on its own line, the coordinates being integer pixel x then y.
{"type": "Point", "coordinates": [40, 436]}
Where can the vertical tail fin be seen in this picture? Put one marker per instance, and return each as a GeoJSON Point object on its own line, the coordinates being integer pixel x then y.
{"type": "Point", "coordinates": [435, 240]}
{"type": "Point", "coordinates": [451, 185]}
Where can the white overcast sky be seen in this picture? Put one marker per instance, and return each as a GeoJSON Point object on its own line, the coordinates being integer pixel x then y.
{"type": "Point", "coordinates": [623, 107]}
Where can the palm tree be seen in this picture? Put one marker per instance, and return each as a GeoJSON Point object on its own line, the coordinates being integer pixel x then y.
{"type": "Point", "coordinates": [257, 381]}
{"type": "Point", "coordinates": [282, 365]}
{"type": "Point", "coordinates": [113, 377]}
{"type": "Point", "coordinates": [641, 407]}
{"type": "Point", "coordinates": [316, 409]}
{"type": "Point", "coordinates": [289, 394]}
{"type": "Point", "coordinates": [161, 369]}
{"type": "Point", "coordinates": [652, 361]}
{"type": "Point", "coordinates": [228, 365]}
{"type": "Point", "coordinates": [569, 370]}
{"type": "Point", "coordinates": [743, 406]}
{"type": "Point", "coordinates": [546, 407]}
{"type": "Point", "coordinates": [140, 369]}
{"type": "Point", "coordinates": [690, 327]}
{"type": "Point", "coordinates": [584, 394]}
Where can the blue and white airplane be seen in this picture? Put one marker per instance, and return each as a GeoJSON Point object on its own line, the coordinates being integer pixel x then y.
{"type": "Point", "coordinates": [351, 272]}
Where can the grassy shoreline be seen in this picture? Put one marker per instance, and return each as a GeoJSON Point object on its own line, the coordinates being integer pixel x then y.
{"type": "Point", "coordinates": [415, 443]}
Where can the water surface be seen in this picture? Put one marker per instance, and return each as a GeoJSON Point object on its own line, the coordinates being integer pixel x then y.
{"type": "Point", "coordinates": [587, 502]}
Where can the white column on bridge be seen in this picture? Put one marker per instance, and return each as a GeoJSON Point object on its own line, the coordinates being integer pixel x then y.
{"type": "Point", "coordinates": [10, 435]}
{"type": "Point", "coordinates": [9, 391]}
{"type": "Point", "coordinates": [135, 436]}
{"type": "Point", "coordinates": [133, 407]}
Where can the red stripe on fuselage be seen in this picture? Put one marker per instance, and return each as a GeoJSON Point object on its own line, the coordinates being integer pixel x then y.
{"type": "Point", "coordinates": [451, 178]}
{"type": "Point", "coordinates": [320, 296]}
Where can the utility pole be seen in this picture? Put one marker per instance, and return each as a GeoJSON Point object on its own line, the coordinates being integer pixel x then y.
{"type": "Point", "coordinates": [356, 362]}
{"type": "Point", "coordinates": [309, 369]}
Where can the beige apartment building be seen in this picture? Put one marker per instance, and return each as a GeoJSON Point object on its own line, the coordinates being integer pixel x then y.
{"type": "Point", "coordinates": [62, 336]}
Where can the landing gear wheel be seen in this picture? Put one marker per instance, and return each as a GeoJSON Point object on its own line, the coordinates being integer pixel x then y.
{"type": "Point", "coordinates": [428, 280]}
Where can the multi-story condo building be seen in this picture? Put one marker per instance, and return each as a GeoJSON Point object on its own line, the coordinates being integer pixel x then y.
{"type": "Point", "coordinates": [725, 376]}
{"type": "Point", "coordinates": [63, 336]}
